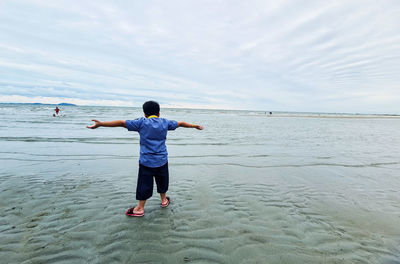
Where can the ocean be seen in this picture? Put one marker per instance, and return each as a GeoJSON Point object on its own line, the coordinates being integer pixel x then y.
{"type": "Point", "coordinates": [252, 187]}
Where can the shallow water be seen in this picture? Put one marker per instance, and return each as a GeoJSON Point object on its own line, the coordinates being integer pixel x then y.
{"type": "Point", "coordinates": [250, 188]}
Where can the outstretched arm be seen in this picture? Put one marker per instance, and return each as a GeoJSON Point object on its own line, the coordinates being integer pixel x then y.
{"type": "Point", "coordinates": [184, 124]}
{"type": "Point", "coordinates": [115, 123]}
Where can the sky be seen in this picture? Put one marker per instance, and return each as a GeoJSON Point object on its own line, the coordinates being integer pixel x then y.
{"type": "Point", "coordinates": [306, 56]}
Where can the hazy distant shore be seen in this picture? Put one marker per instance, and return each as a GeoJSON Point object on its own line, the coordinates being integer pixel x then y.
{"type": "Point", "coordinates": [62, 104]}
{"type": "Point", "coordinates": [336, 115]}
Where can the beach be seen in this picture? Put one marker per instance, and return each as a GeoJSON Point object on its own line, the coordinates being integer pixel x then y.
{"type": "Point", "coordinates": [250, 188]}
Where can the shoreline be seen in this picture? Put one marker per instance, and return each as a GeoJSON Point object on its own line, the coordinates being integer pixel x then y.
{"type": "Point", "coordinates": [224, 111]}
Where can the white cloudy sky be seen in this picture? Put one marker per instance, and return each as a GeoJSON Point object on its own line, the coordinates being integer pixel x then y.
{"type": "Point", "coordinates": [327, 56]}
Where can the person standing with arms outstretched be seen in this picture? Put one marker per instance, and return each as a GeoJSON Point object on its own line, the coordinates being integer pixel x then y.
{"type": "Point", "coordinates": [153, 162]}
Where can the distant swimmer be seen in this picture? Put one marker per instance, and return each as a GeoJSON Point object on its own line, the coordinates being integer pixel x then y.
{"type": "Point", "coordinates": [270, 113]}
{"type": "Point", "coordinates": [57, 111]}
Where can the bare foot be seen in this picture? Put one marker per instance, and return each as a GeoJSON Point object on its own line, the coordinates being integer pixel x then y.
{"type": "Point", "coordinates": [138, 210]}
{"type": "Point", "coordinates": [165, 202]}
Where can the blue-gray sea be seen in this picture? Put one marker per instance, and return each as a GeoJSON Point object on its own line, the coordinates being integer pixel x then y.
{"type": "Point", "coordinates": [252, 187]}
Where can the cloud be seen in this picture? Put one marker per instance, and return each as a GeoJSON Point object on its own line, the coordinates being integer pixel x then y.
{"type": "Point", "coordinates": [266, 55]}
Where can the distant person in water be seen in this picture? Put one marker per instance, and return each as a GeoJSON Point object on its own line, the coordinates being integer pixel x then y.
{"type": "Point", "coordinates": [57, 110]}
{"type": "Point", "coordinates": [153, 161]}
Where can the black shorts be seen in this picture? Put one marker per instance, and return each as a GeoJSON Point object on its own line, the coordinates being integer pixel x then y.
{"type": "Point", "coordinates": [145, 183]}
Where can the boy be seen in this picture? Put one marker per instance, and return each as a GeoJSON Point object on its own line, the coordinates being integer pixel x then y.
{"type": "Point", "coordinates": [153, 160]}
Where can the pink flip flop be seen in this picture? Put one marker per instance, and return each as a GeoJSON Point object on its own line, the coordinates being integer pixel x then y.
{"type": "Point", "coordinates": [163, 205]}
{"type": "Point", "coordinates": [130, 212]}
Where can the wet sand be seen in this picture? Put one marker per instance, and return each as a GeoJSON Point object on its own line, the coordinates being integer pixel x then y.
{"type": "Point", "coordinates": [223, 219]}
{"type": "Point", "coordinates": [295, 191]}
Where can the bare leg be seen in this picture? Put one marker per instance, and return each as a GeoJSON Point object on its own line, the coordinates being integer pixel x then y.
{"type": "Point", "coordinates": [140, 207]}
{"type": "Point", "coordinates": [163, 197]}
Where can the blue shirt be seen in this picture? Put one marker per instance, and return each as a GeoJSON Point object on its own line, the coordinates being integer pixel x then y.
{"type": "Point", "coordinates": [153, 133]}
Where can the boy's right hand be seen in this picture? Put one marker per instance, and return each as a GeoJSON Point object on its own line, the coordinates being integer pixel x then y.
{"type": "Point", "coordinates": [95, 125]}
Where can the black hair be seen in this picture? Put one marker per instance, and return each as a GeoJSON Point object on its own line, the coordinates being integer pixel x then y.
{"type": "Point", "coordinates": [151, 108]}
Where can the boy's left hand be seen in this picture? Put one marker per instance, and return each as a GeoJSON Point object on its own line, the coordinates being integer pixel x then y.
{"type": "Point", "coordinates": [95, 125]}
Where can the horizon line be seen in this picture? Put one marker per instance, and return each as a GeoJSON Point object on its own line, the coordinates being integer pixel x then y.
{"type": "Point", "coordinates": [215, 109]}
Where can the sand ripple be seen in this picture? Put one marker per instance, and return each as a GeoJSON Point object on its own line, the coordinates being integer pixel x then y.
{"type": "Point", "coordinates": [75, 220]}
